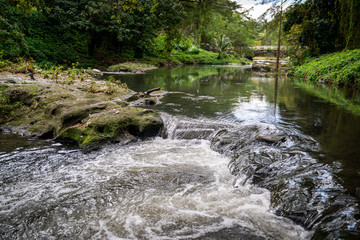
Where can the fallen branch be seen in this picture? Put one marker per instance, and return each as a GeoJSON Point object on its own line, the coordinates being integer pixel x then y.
{"type": "Point", "coordinates": [152, 90]}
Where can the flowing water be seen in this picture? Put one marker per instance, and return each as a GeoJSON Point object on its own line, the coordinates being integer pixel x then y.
{"type": "Point", "coordinates": [231, 164]}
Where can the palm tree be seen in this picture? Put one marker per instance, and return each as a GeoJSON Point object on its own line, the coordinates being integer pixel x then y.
{"type": "Point", "coordinates": [222, 45]}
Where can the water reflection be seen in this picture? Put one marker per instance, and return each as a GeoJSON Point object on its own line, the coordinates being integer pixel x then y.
{"type": "Point", "coordinates": [255, 109]}
{"type": "Point", "coordinates": [238, 95]}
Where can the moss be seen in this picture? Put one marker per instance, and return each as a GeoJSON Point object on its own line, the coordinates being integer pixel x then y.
{"type": "Point", "coordinates": [131, 67]}
{"type": "Point", "coordinates": [71, 114]}
{"type": "Point", "coordinates": [113, 125]}
{"type": "Point", "coordinates": [7, 104]}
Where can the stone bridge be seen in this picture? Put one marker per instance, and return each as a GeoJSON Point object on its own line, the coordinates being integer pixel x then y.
{"type": "Point", "coordinates": [269, 51]}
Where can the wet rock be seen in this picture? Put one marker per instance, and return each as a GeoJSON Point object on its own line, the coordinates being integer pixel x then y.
{"type": "Point", "coordinates": [303, 189]}
{"type": "Point", "coordinates": [271, 139]}
{"type": "Point", "coordinates": [133, 98]}
{"type": "Point", "coordinates": [133, 67]}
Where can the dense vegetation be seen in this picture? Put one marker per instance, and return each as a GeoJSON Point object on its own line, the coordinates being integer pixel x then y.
{"type": "Point", "coordinates": [320, 27]}
{"type": "Point", "coordinates": [106, 31]}
{"type": "Point", "coordinates": [341, 69]}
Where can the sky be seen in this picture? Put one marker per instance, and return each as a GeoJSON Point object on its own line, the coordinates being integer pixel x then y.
{"type": "Point", "coordinates": [258, 9]}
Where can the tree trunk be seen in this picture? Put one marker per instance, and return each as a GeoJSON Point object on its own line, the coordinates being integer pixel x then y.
{"type": "Point", "coordinates": [279, 41]}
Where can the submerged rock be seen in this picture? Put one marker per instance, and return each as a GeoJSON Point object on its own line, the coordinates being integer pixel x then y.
{"type": "Point", "coordinates": [133, 67]}
{"type": "Point", "coordinates": [302, 189]}
{"type": "Point", "coordinates": [268, 66]}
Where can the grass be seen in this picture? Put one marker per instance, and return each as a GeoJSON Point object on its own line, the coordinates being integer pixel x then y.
{"type": "Point", "coordinates": [340, 69]}
{"type": "Point", "coordinates": [201, 56]}
{"type": "Point", "coordinates": [177, 57]}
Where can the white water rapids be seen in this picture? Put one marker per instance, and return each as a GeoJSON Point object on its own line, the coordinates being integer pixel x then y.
{"type": "Point", "coordinates": [157, 189]}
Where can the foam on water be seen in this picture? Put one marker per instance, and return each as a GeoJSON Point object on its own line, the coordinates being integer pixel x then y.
{"type": "Point", "coordinates": [159, 189]}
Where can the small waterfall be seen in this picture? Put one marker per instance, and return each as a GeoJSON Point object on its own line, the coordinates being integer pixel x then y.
{"type": "Point", "coordinates": [180, 127]}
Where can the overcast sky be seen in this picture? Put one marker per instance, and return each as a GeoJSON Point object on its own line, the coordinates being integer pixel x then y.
{"type": "Point", "coordinates": [258, 9]}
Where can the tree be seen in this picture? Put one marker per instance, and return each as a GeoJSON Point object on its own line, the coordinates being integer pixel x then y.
{"type": "Point", "coordinates": [222, 44]}
{"type": "Point", "coordinates": [323, 26]}
{"type": "Point", "coordinates": [96, 18]}
{"type": "Point", "coordinates": [199, 14]}
{"type": "Point", "coordinates": [170, 14]}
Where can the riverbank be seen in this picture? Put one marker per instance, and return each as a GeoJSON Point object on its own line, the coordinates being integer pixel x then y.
{"type": "Point", "coordinates": [85, 111]}
{"type": "Point", "coordinates": [71, 105]}
{"type": "Point", "coordinates": [340, 69]}
{"type": "Point", "coordinates": [177, 58]}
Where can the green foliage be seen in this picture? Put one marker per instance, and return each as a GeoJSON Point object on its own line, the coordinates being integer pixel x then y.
{"type": "Point", "coordinates": [53, 47]}
{"type": "Point", "coordinates": [323, 26]}
{"type": "Point", "coordinates": [12, 42]}
{"type": "Point", "coordinates": [4, 63]}
{"type": "Point", "coordinates": [62, 75]}
{"type": "Point", "coordinates": [86, 31]}
{"type": "Point", "coordinates": [223, 45]}
{"type": "Point", "coordinates": [159, 49]}
{"type": "Point", "coordinates": [201, 56]}
{"type": "Point", "coordinates": [349, 22]}
{"type": "Point", "coordinates": [112, 83]}
{"type": "Point", "coordinates": [340, 69]}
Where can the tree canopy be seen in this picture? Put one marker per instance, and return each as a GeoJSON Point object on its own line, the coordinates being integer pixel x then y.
{"type": "Point", "coordinates": [58, 31]}
{"type": "Point", "coordinates": [322, 26]}
{"type": "Point", "coordinates": [90, 27]}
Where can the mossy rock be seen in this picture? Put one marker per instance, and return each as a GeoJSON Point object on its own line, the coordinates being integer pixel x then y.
{"type": "Point", "coordinates": [131, 67]}
{"type": "Point", "coordinates": [262, 67]}
{"type": "Point", "coordinates": [67, 113]}
{"type": "Point", "coordinates": [113, 125]}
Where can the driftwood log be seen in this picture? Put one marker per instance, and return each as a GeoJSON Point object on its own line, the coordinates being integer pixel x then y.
{"type": "Point", "coordinates": [152, 90]}
{"type": "Point", "coordinates": [26, 70]}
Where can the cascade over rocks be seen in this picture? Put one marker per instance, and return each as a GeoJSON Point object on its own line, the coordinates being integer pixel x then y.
{"type": "Point", "coordinates": [303, 189]}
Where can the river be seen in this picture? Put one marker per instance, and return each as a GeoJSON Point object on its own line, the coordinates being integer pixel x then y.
{"type": "Point", "coordinates": [231, 164]}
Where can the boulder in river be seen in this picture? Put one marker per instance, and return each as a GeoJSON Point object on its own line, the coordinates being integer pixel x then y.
{"type": "Point", "coordinates": [113, 125]}
{"type": "Point", "coordinates": [302, 188]}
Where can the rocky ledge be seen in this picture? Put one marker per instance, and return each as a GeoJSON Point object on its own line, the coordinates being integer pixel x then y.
{"type": "Point", "coordinates": [89, 113]}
